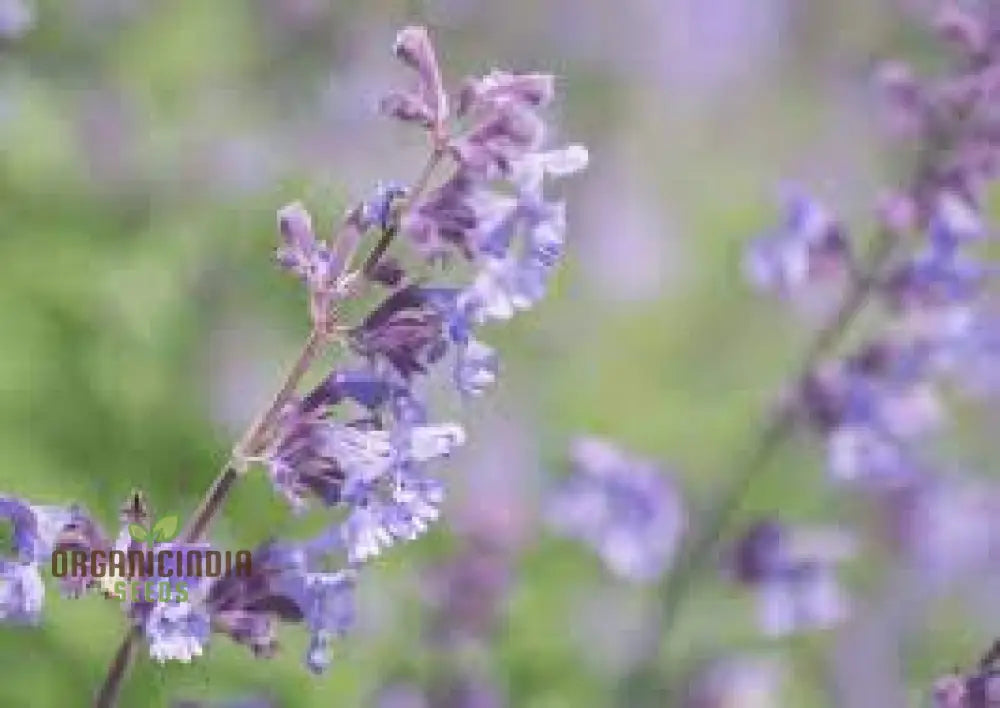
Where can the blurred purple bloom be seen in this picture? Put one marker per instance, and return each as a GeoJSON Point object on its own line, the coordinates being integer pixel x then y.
{"type": "Point", "coordinates": [746, 682]}
{"type": "Point", "coordinates": [17, 18]}
{"type": "Point", "coordinates": [947, 527]}
{"type": "Point", "coordinates": [34, 527]}
{"type": "Point", "coordinates": [21, 592]}
{"type": "Point", "coordinates": [625, 508]}
{"type": "Point", "coordinates": [808, 247]}
{"type": "Point", "coordinates": [871, 410]}
{"type": "Point", "coordinates": [792, 572]}
{"type": "Point", "coordinates": [34, 532]}
{"type": "Point", "coordinates": [979, 689]}
{"type": "Point", "coordinates": [466, 594]}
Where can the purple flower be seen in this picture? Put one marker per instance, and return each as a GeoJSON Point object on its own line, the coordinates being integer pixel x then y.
{"type": "Point", "coordinates": [376, 212]}
{"type": "Point", "coordinates": [736, 681]}
{"type": "Point", "coordinates": [177, 631]}
{"type": "Point", "coordinates": [476, 368]}
{"type": "Point", "coordinates": [34, 534]}
{"type": "Point", "coordinates": [319, 265]}
{"type": "Point", "coordinates": [792, 572]}
{"type": "Point", "coordinates": [405, 330]}
{"type": "Point", "coordinates": [34, 527]}
{"type": "Point", "coordinates": [978, 689]}
{"type": "Point", "coordinates": [808, 247]}
{"type": "Point", "coordinates": [626, 509]}
{"type": "Point", "coordinates": [946, 526]}
{"type": "Point", "coordinates": [21, 592]}
{"type": "Point", "coordinates": [398, 508]}
{"type": "Point", "coordinates": [871, 410]}
{"type": "Point", "coordinates": [466, 594]}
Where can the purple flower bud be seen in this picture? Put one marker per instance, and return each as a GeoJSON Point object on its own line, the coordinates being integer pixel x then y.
{"type": "Point", "coordinates": [962, 29]}
{"type": "Point", "coordinates": [407, 107]}
{"type": "Point", "coordinates": [300, 244]}
{"type": "Point", "coordinates": [413, 47]}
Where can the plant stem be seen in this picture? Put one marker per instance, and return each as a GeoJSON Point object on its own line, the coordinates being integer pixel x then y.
{"type": "Point", "coordinates": [387, 235]}
{"type": "Point", "coordinates": [251, 444]}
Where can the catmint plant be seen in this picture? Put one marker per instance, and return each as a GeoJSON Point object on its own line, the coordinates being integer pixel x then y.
{"type": "Point", "coordinates": [875, 410]}
{"type": "Point", "coordinates": [474, 238]}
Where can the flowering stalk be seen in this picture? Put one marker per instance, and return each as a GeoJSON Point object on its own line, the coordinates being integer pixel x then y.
{"type": "Point", "coordinates": [872, 405]}
{"type": "Point", "coordinates": [716, 520]}
{"type": "Point", "coordinates": [361, 441]}
{"type": "Point", "coordinates": [212, 504]}
{"type": "Point", "coordinates": [253, 441]}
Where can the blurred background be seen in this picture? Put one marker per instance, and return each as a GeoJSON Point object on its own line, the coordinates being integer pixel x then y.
{"type": "Point", "coordinates": [144, 149]}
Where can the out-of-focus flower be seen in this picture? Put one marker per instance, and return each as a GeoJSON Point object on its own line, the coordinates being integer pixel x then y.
{"type": "Point", "coordinates": [21, 592]}
{"type": "Point", "coordinates": [401, 695]}
{"type": "Point", "coordinates": [872, 409]}
{"type": "Point", "coordinates": [737, 682]}
{"type": "Point", "coordinates": [946, 526]}
{"type": "Point", "coordinates": [627, 509]}
{"type": "Point", "coordinates": [34, 531]}
{"type": "Point", "coordinates": [809, 247]}
{"type": "Point", "coordinates": [793, 574]}
{"type": "Point", "coordinates": [979, 689]}
{"type": "Point", "coordinates": [17, 18]}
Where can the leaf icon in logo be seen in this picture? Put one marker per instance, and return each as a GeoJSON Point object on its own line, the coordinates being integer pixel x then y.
{"type": "Point", "coordinates": [138, 532]}
{"type": "Point", "coordinates": [166, 529]}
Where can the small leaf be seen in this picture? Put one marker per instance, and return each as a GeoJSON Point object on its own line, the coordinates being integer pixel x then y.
{"type": "Point", "coordinates": [166, 529]}
{"type": "Point", "coordinates": [138, 532]}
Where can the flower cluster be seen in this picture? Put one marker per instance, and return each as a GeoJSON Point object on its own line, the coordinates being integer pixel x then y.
{"type": "Point", "coordinates": [361, 442]}
{"type": "Point", "coordinates": [626, 509]}
{"type": "Point", "coordinates": [878, 409]}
